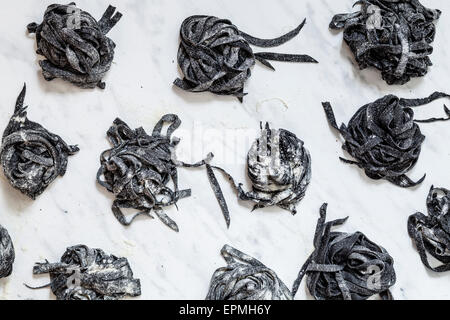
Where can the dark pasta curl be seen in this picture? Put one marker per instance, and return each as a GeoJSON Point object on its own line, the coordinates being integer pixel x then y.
{"type": "Point", "coordinates": [384, 137]}
{"type": "Point", "coordinates": [31, 156]}
{"type": "Point", "coordinates": [89, 274]}
{"type": "Point", "coordinates": [393, 36]}
{"type": "Point", "coordinates": [346, 266]}
{"type": "Point", "coordinates": [75, 44]}
{"type": "Point", "coordinates": [431, 233]}
{"type": "Point", "coordinates": [279, 167]}
{"type": "Point", "coordinates": [139, 167]}
{"type": "Point", "coordinates": [7, 254]}
{"type": "Point", "coordinates": [215, 56]}
{"type": "Point", "coordinates": [245, 278]}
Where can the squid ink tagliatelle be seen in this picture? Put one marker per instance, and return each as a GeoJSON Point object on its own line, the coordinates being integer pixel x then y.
{"type": "Point", "coordinates": [384, 137]}
{"type": "Point", "coordinates": [215, 56]}
{"type": "Point", "coordinates": [7, 254]}
{"type": "Point", "coordinates": [89, 274]}
{"type": "Point", "coordinates": [245, 278]}
{"type": "Point", "coordinates": [279, 167]}
{"type": "Point", "coordinates": [31, 156]}
{"type": "Point", "coordinates": [346, 266]}
{"type": "Point", "coordinates": [431, 233]}
{"type": "Point", "coordinates": [139, 167]}
{"type": "Point", "coordinates": [75, 44]}
{"type": "Point", "coordinates": [393, 36]}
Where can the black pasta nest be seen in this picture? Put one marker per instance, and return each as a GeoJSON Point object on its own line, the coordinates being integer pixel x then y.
{"type": "Point", "coordinates": [346, 266]}
{"type": "Point", "coordinates": [215, 56]}
{"type": "Point", "coordinates": [89, 274]}
{"type": "Point", "coordinates": [139, 166]}
{"type": "Point", "coordinates": [245, 278]}
{"type": "Point", "coordinates": [384, 137]}
{"type": "Point", "coordinates": [7, 254]}
{"type": "Point", "coordinates": [279, 167]}
{"type": "Point", "coordinates": [75, 44]}
{"type": "Point", "coordinates": [431, 233]}
{"type": "Point", "coordinates": [393, 36]}
{"type": "Point", "coordinates": [31, 156]}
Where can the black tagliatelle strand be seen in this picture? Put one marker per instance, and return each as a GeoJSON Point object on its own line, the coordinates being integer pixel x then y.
{"type": "Point", "coordinates": [431, 233]}
{"type": "Point", "coordinates": [279, 167]}
{"type": "Point", "coordinates": [89, 274]}
{"type": "Point", "coordinates": [7, 254]}
{"type": "Point", "coordinates": [393, 36]}
{"type": "Point", "coordinates": [346, 266]}
{"type": "Point", "coordinates": [139, 166]}
{"type": "Point", "coordinates": [75, 45]}
{"type": "Point", "coordinates": [245, 278]}
{"type": "Point", "coordinates": [32, 157]}
{"type": "Point", "coordinates": [215, 56]}
{"type": "Point", "coordinates": [384, 138]}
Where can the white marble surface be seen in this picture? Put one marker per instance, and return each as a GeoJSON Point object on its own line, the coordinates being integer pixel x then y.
{"type": "Point", "coordinates": [76, 210]}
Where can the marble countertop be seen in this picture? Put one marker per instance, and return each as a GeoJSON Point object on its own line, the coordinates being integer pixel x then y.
{"type": "Point", "coordinates": [75, 210]}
